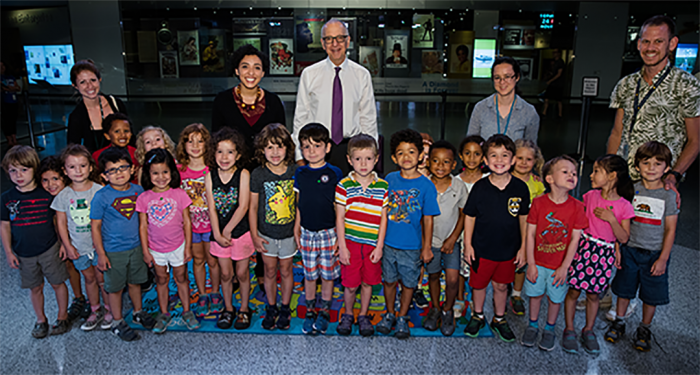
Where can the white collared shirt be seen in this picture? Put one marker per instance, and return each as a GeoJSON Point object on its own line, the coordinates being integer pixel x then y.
{"type": "Point", "coordinates": [315, 99]}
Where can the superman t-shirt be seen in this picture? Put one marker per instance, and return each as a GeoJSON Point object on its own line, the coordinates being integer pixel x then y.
{"type": "Point", "coordinates": [120, 222]}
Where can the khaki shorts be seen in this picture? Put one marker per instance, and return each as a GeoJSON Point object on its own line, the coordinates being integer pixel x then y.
{"type": "Point", "coordinates": [128, 267]}
{"type": "Point", "coordinates": [48, 264]}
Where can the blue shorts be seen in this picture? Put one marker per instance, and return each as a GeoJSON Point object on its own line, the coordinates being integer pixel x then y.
{"type": "Point", "coordinates": [636, 274]}
{"type": "Point", "coordinates": [201, 237]}
{"type": "Point", "coordinates": [545, 284]}
{"type": "Point", "coordinates": [401, 264]}
{"type": "Point", "coordinates": [443, 261]}
{"type": "Point", "coordinates": [85, 261]}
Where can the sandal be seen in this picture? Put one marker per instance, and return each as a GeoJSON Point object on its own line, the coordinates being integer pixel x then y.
{"type": "Point", "coordinates": [225, 320]}
{"type": "Point", "coordinates": [243, 320]}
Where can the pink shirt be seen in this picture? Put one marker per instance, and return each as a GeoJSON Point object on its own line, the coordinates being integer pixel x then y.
{"type": "Point", "coordinates": [599, 228]}
{"type": "Point", "coordinates": [193, 184]}
{"type": "Point", "coordinates": [165, 221]}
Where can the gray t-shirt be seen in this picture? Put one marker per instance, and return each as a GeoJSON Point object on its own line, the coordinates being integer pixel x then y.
{"type": "Point", "coordinates": [451, 203]}
{"type": "Point", "coordinates": [277, 201]}
{"type": "Point", "coordinates": [651, 208]}
{"type": "Point", "coordinates": [76, 205]}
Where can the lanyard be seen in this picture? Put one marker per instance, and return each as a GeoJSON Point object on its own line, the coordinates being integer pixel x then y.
{"type": "Point", "coordinates": [637, 104]}
{"type": "Point", "coordinates": [498, 116]}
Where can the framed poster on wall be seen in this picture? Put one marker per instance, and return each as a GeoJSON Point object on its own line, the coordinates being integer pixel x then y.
{"type": "Point", "coordinates": [188, 47]}
{"type": "Point", "coordinates": [212, 50]}
{"type": "Point", "coordinates": [396, 49]}
{"type": "Point", "coordinates": [253, 41]}
{"type": "Point", "coordinates": [168, 64]}
{"type": "Point", "coordinates": [281, 53]}
{"type": "Point", "coordinates": [461, 52]}
{"type": "Point", "coordinates": [423, 30]}
{"type": "Point", "coordinates": [370, 58]}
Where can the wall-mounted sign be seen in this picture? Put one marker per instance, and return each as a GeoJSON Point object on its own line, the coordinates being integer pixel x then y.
{"type": "Point", "coordinates": [546, 20]}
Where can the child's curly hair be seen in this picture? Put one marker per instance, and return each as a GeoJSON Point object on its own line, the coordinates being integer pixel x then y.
{"type": "Point", "coordinates": [80, 150]}
{"type": "Point", "coordinates": [407, 136]}
{"type": "Point", "coordinates": [181, 152]}
{"type": "Point", "coordinates": [539, 159]}
{"type": "Point", "coordinates": [141, 147]}
{"type": "Point", "coordinates": [233, 136]}
{"type": "Point", "coordinates": [278, 134]}
{"type": "Point", "coordinates": [53, 164]}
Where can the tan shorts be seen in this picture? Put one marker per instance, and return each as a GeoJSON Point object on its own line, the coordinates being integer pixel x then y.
{"type": "Point", "coordinates": [48, 264]}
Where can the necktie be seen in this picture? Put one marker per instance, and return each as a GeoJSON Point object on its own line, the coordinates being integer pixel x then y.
{"type": "Point", "coordinates": [337, 116]}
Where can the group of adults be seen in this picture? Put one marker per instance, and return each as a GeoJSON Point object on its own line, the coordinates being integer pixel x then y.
{"type": "Point", "coordinates": [660, 102]}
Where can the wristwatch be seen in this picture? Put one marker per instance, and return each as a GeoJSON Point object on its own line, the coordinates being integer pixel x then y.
{"type": "Point", "coordinates": [677, 175]}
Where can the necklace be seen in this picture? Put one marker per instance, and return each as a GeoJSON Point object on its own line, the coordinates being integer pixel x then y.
{"type": "Point", "coordinates": [257, 97]}
{"type": "Point", "coordinates": [498, 116]}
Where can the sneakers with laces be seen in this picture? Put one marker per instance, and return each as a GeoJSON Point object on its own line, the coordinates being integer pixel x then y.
{"type": "Point", "coordinates": [143, 319]}
{"type": "Point", "coordinates": [201, 308]}
{"type": "Point", "coordinates": [345, 325]}
{"type": "Point", "coordinates": [419, 298]}
{"type": "Point", "coordinates": [284, 320]}
{"type": "Point", "coordinates": [386, 324]}
{"type": "Point", "coordinates": [431, 320]}
{"type": "Point", "coordinates": [107, 320]}
{"type": "Point", "coordinates": [93, 320]}
{"type": "Point", "coordinates": [322, 321]}
{"type": "Point", "coordinates": [124, 332]}
{"type": "Point", "coordinates": [448, 323]}
{"type": "Point", "coordinates": [474, 326]}
{"type": "Point", "coordinates": [547, 341]}
{"type": "Point", "coordinates": [616, 331]}
{"type": "Point", "coordinates": [589, 341]}
{"type": "Point", "coordinates": [366, 327]}
{"type": "Point", "coordinates": [309, 320]}
{"type": "Point", "coordinates": [162, 322]}
{"type": "Point", "coordinates": [569, 342]}
{"type": "Point", "coordinates": [517, 305]}
{"type": "Point", "coordinates": [642, 340]}
{"type": "Point", "coordinates": [502, 330]}
{"type": "Point", "coordinates": [190, 320]}
{"type": "Point", "coordinates": [40, 330]}
{"type": "Point", "coordinates": [402, 330]}
{"type": "Point", "coordinates": [270, 320]}
{"type": "Point", "coordinates": [75, 310]}
{"type": "Point", "coordinates": [216, 305]}
{"type": "Point", "coordinates": [529, 336]}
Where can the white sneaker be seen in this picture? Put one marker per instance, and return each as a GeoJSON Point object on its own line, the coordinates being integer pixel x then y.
{"type": "Point", "coordinates": [458, 308]}
{"type": "Point", "coordinates": [612, 313]}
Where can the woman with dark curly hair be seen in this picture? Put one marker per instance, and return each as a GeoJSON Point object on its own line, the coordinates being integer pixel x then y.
{"type": "Point", "coordinates": [247, 107]}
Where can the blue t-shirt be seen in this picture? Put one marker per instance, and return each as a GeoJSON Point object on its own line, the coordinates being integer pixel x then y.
{"type": "Point", "coordinates": [120, 221]}
{"type": "Point", "coordinates": [31, 220]}
{"type": "Point", "coordinates": [317, 203]}
{"type": "Point", "coordinates": [409, 201]}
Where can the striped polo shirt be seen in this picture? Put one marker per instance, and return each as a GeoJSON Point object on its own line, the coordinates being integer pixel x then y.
{"type": "Point", "coordinates": [363, 208]}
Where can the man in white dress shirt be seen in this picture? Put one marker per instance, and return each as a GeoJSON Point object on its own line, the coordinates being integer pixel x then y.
{"type": "Point", "coordinates": [336, 93]}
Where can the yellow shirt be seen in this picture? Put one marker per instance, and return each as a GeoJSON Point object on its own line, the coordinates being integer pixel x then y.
{"type": "Point", "coordinates": [536, 187]}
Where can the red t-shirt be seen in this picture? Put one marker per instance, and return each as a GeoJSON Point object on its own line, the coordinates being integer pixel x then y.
{"type": "Point", "coordinates": [555, 222]}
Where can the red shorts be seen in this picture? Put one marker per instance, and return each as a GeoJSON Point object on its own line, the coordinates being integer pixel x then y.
{"type": "Point", "coordinates": [361, 268]}
{"type": "Point", "coordinates": [489, 270]}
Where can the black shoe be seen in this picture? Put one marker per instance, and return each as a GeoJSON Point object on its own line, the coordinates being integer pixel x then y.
{"type": "Point", "coordinates": [503, 330]}
{"type": "Point", "coordinates": [474, 326]}
{"type": "Point", "coordinates": [225, 320]}
{"type": "Point", "coordinates": [77, 309]}
{"type": "Point", "coordinates": [419, 298]}
{"type": "Point", "coordinates": [642, 341]}
{"type": "Point", "coordinates": [616, 331]}
{"type": "Point", "coordinates": [270, 320]}
{"type": "Point", "coordinates": [285, 318]}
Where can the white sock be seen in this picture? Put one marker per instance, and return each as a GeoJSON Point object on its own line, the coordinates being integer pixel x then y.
{"type": "Point", "coordinates": [515, 293]}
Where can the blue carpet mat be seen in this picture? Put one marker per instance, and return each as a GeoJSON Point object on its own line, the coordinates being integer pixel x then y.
{"type": "Point", "coordinates": [258, 303]}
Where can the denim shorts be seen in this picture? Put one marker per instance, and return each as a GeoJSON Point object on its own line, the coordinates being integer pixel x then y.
{"type": "Point", "coordinates": [443, 261]}
{"type": "Point", "coordinates": [201, 237]}
{"type": "Point", "coordinates": [401, 264]}
{"type": "Point", "coordinates": [636, 274]}
{"type": "Point", "coordinates": [545, 284]}
{"type": "Point", "coordinates": [85, 261]}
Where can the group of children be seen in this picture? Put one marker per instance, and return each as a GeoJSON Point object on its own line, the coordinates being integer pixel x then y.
{"type": "Point", "coordinates": [197, 200]}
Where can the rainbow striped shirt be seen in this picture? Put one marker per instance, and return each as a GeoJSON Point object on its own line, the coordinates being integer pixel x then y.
{"type": "Point", "coordinates": [363, 208]}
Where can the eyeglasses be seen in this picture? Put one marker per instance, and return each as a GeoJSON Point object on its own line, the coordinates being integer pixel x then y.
{"type": "Point", "coordinates": [506, 78]}
{"type": "Point", "coordinates": [112, 171]}
{"type": "Point", "coordinates": [340, 39]}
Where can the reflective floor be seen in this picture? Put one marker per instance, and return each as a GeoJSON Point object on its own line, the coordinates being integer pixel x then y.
{"type": "Point", "coordinates": [675, 327]}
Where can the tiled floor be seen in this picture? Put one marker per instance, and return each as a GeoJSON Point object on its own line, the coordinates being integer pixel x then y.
{"type": "Point", "coordinates": [676, 326]}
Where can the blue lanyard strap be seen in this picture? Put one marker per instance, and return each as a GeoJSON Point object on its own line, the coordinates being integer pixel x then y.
{"type": "Point", "coordinates": [637, 104]}
{"type": "Point", "coordinates": [498, 116]}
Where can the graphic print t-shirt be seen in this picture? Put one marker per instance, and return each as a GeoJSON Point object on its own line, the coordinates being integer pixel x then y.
{"type": "Point", "coordinates": [165, 222]}
{"type": "Point", "coordinates": [120, 222]}
{"type": "Point", "coordinates": [193, 185]}
{"type": "Point", "coordinates": [277, 208]}
{"type": "Point", "coordinates": [76, 205]}
{"type": "Point", "coordinates": [226, 201]}
{"type": "Point", "coordinates": [31, 221]}
{"type": "Point", "coordinates": [409, 201]}
{"type": "Point", "coordinates": [555, 223]}
{"type": "Point", "coordinates": [651, 208]}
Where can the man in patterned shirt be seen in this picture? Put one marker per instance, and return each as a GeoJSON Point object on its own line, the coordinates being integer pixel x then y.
{"type": "Point", "coordinates": [671, 112]}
